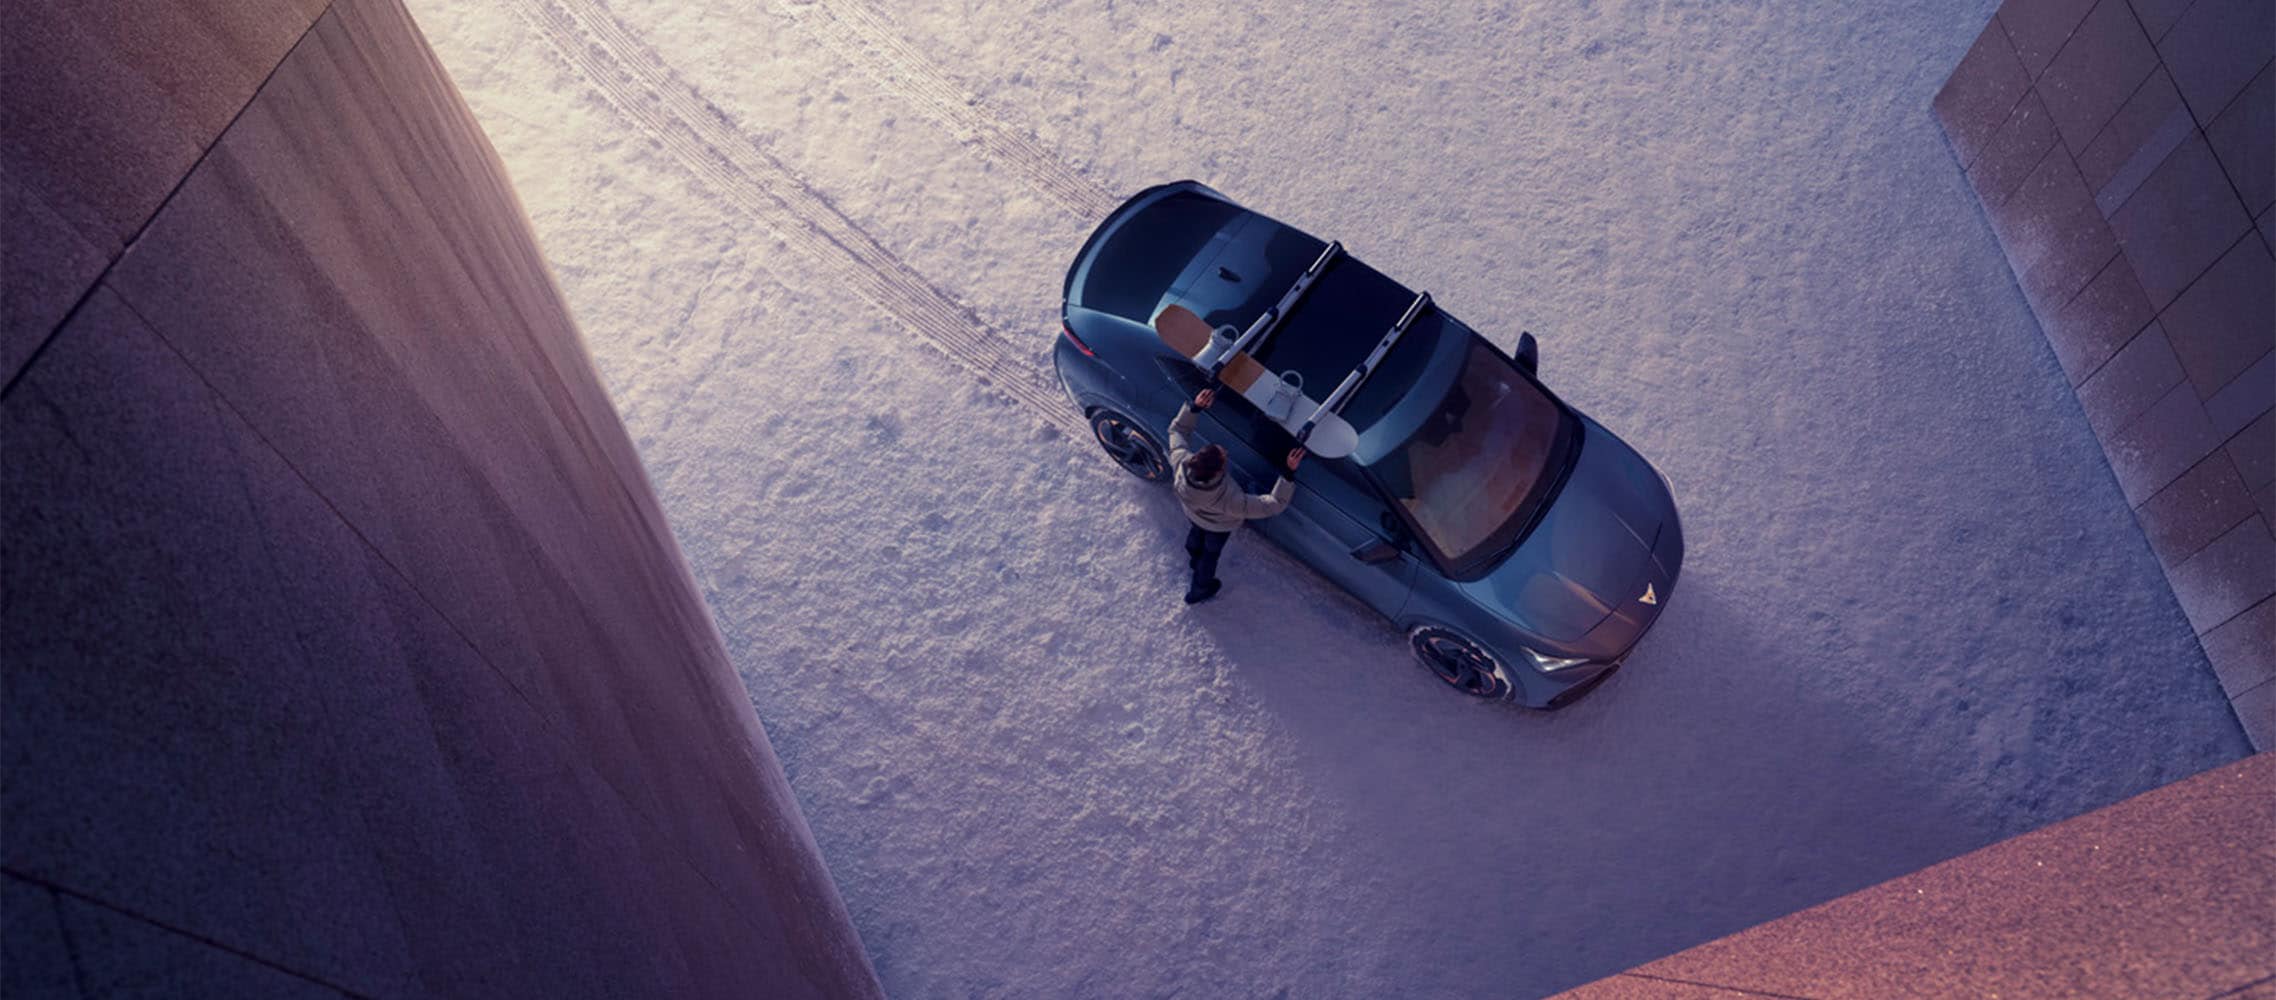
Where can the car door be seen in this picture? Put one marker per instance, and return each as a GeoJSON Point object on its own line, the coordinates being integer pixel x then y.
{"type": "Point", "coordinates": [1332, 521]}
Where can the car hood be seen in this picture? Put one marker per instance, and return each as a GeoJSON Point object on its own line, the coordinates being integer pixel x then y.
{"type": "Point", "coordinates": [1592, 553]}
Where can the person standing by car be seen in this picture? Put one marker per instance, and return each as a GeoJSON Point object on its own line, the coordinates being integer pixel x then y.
{"type": "Point", "coordinates": [1211, 499]}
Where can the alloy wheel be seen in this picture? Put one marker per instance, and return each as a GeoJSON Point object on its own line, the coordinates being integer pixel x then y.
{"type": "Point", "coordinates": [1462, 664]}
{"type": "Point", "coordinates": [1130, 447]}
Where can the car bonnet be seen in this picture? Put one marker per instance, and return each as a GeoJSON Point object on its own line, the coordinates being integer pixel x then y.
{"type": "Point", "coordinates": [1592, 552]}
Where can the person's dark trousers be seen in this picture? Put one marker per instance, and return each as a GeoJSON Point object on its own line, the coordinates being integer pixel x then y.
{"type": "Point", "coordinates": [1202, 547]}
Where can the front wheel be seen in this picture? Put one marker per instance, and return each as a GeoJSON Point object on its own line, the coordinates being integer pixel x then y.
{"type": "Point", "coordinates": [1464, 665]}
{"type": "Point", "coordinates": [1130, 446]}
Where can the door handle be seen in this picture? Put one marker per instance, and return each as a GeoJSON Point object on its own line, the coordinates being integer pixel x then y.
{"type": "Point", "coordinates": [1375, 551]}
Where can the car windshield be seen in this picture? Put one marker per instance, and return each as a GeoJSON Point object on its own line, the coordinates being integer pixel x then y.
{"type": "Point", "coordinates": [1479, 462]}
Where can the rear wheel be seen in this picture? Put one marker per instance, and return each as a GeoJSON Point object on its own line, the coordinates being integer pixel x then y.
{"type": "Point", "coordinates": [1464, 665]}
{"type": "Point", "coordinates": [1130, 446]}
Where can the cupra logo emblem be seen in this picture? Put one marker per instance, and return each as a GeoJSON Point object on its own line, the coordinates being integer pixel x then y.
{"type": "Point", "coordinates": [1649, 597]}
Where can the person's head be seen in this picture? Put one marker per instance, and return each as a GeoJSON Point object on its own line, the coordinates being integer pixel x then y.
{"type": "Point", "coordinates": [1205, 466]}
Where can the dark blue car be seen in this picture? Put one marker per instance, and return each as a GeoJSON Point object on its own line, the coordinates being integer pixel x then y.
{"type": "Point", "coordinates": [1523, 548]}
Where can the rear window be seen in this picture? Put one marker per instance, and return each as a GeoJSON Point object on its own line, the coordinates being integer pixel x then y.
{"type": "Point", "coordinates": [1146, 253]}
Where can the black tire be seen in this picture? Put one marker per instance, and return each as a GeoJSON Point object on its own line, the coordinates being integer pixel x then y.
{"type": "Point", "coordinates": [1462, 664]}
{"type": "Point", "coordinates": [1130, 446]}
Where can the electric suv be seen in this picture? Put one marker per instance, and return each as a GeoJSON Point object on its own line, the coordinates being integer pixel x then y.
{"type": "Point", "coordinates": [1521, 547]}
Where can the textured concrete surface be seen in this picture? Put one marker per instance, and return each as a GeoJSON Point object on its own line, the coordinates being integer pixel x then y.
{"type": "Point", "coordinates": [2169, 894]}
{"type": "Point", "coordinates": [346, 650]}
{"type": "Point", "coordinates": [2125, 153]}
{"type": "Point", "coordinates": [108, 106]}
{"type": "Point", "coordinates": [34, 961]}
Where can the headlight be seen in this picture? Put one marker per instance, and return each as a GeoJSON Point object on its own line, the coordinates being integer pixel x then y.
{"type": "Point", "coordinates": [1551, 664]}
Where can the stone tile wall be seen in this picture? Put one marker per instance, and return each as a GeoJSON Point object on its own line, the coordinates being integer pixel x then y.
{"type": "Point", "coordinates": [2123, 152]}
{"type": "Point", "coordinates": [2167, 894]}
{"type": "Point", "coordinates": [343, 647]}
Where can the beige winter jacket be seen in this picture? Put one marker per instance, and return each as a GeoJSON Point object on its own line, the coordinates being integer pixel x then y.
{"type": "Point", "coordinates": [1218, 505]}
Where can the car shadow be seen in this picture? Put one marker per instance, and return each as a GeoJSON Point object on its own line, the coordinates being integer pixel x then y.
{"type": "Point", "coordinates": [1702, 790]}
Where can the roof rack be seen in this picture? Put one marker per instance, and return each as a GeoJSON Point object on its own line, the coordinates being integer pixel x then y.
{"type": "Point", "coordinates": [1252, 339]}
{"type": "Point", "coordinates": [1351, 382]}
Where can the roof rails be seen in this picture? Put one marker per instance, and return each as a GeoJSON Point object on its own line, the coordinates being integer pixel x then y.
{"type": "Point", "coordinates": [1351, 382]}
{"type": "Point", "coordinates": [1252, 339]}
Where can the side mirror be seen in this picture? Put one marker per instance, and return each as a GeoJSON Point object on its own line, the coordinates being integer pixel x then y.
{"type": "Point", "coordinates": [1394, 542]}
{"type": "Point", "coordinates": [1376, 551]}
{"type": "Point", "coordinates": [1528, 354]}
{"type": "Point", "coordinates": [1393, 528]}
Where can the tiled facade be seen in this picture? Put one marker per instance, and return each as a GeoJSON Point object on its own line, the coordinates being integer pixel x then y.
{"type": "Point", "coordinates": [2122, 150]}
{"type": "Point", "coordinates": [2156, 896]}
{"type": "Point", "coordinates": [344, 650]}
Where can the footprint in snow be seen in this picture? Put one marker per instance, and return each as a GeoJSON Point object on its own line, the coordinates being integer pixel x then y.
{"type": "Point", "coordinates": [883, 428]}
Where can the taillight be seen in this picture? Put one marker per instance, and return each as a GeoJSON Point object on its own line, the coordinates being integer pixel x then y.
{"type": "Point", "coordinates": [1065, 328]}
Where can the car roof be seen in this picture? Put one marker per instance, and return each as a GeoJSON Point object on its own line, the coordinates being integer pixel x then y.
{"type": "Point", "coordinates": [1339, 321]}
{"type": "Point", "coordinates": [1336, 324]}
{"type": "Point", "coordinates": [1326, 335]}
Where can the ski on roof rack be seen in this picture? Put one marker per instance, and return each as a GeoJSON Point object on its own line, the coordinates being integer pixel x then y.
{"type": "Point", "coordinates": [1252, 340]}
{"type": "Point", "coordinates": [1351, 382]}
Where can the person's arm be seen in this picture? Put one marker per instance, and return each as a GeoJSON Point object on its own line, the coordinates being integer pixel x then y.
{"type": "Point", "coordinates": [1181, 436]}
{"type": "Point", "coordinates": [1266, 505]}
{"type": "Point", "coordinates": [1181, 428]}
{"type": "Point", "coordinates": [1258, 505]}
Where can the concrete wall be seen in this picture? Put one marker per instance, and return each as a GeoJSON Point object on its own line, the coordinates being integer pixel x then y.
{"type": "Point", "coordinates": [2125, 151]}
{"type": "Point", "coordinates": [2171, 893]}
{"type": "Point", "coordinates": [345, 648]}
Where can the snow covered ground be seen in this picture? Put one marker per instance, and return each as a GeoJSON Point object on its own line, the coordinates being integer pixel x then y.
{"type": "Point", "coordinates": [816, 248]}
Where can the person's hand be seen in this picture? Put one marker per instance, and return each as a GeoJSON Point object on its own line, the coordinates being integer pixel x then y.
{"type": "Point", "coordinates": [1295, 455]}
{"type": "Point", "coordinates": [1206, 397]}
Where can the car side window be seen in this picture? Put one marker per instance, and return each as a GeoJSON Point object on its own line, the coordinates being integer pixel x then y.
{"type": "Point", "coordinates": [1337, 480]}
{"type": "Point", "coordinates": [1237, 415]}
{"type": "Point", "coordinates": [1260, 433]}
{"type": "Point", "coordinates": [1181, 373]}
{"type": "Point", "coordinates": [1339, 483]}
{"type": "Point", "coordinates": [1265, 443]}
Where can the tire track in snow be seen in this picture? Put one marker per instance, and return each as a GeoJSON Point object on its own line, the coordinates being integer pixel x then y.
{"type": "Point", "coordinates": [866, 39]}
{"type": "Point", "coordinates": [702, 138]}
